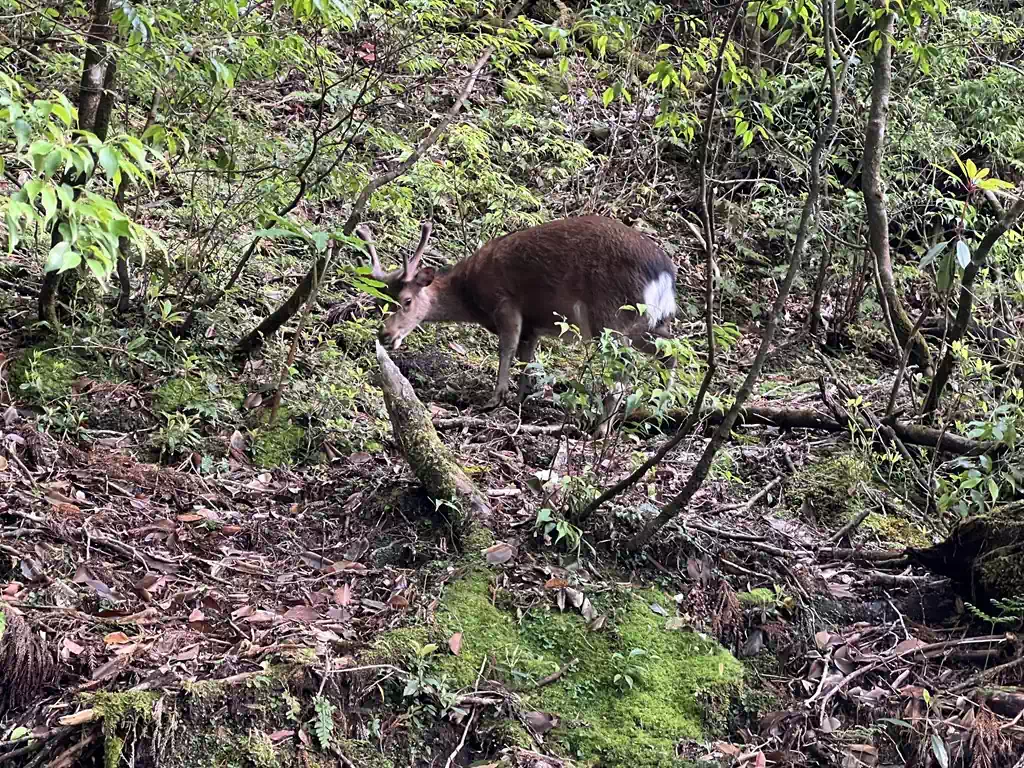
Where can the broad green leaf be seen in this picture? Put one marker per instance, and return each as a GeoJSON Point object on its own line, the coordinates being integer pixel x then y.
{"type": "Point", "coordinates": [62, 112]}
{"type": "Point", "coordinates": [993, 490]}
{"type": "Point", "coordinates": [71, 260]}
{"type": "Point", "coordinates": [55, 259]}
{"type": "Point", "coordinates": [22, 130]}
{"type": "Point", "coordinates": [932, 254]}
{"type": "Point", "coordinates": [963, 254]}
{"type": "Point", "coordinates": [98, 268]}
{"type": "Point", "coordinates": [320, 240]}
{"type": "Point", "coordinates": [275, 233]}
{"type": "Point", "coordinates": [48, 197]}
{"type": "Point", "coordinates": [53, 162]}
{"type": "Point", "coordinates": [939, 750]}
{"type": "Point", "coordinates": [994, 184]}
{"type": "Point", "coordinates": [972, 169]}
{"type": "Point", "coordinates": [748, 137]}
{"type": "Point", "coordinates": [607, 96]}
{"type": "Point", "coordinates": [784, 37]}
{"type": "Point", "coordinates": [110, 161]}
{"type": "Point", "coordinates": [944, 277]}
{"type": "Point", "coordinates": [982, 174]}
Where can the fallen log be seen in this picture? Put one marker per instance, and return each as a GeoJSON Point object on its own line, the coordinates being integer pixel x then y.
{"type": "Point", "coordinates": [811, 418]}
{"type": "Point", "coordinates": [431, 462]}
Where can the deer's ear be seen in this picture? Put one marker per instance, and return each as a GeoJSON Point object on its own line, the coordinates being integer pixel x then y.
{"type": "Point", "coordinates": [424, 277]}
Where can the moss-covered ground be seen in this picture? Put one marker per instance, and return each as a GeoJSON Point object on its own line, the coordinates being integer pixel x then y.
{"type": "Point", "coordinates": [635, 688]}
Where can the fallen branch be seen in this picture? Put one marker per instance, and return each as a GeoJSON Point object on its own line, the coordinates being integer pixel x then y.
{"type": "Point", "coordinates": [432, 462]}
{"type": "Point", "coordinates": [745, 505]}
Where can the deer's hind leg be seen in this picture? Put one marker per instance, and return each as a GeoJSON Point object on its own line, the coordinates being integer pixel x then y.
{"type": "Point", "coordinates": [510, 326]}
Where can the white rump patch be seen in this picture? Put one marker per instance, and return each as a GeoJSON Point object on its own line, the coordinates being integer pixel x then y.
{"type": "Point", "coordinates": [660, 299]}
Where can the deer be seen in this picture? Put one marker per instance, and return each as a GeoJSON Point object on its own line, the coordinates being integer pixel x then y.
{"type": "Point", "coordinates": [585, 269]}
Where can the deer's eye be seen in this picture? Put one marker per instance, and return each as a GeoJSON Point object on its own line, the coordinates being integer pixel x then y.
{"type": "Point", "coordinates": [406, 303]}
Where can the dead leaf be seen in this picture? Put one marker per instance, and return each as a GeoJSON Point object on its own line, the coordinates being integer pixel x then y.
{"type": "Point", "coordinates": [313, 560]}
{"type": "Point", "coordinates": [116, 638]}
{"type": "Point", "coordinates": [237, 441]}
{"type": "Point", "coordinates": [555, 583]}
{"type": "Point", "coordinates": [71, 647]}
{"type": "Point", "coordinates": [3, 463]}
{"type": "Point", "coordinates": [343, 595]}
{"type": "Point", "coordinates": [360, 457]}
{"type": "Point", "coordinates": [498, 554]}
{"type": "Point", "coordinates": [253, 400]}
{"type": "Point", "coordinates": [196, 617]}
{"type": "Point", "coordinates": [731, 750]}
{"type": "Point", "coordinates": [111, 669]}
{"type": "Point", "coordinates": [587, 609]}
{"type": "Point", "coordinates": [398, 601]}
{"type": "Point", "coordinates": [304, 613]}
{"type": "Point", "coordinates": [597, 624]}
{"type": "Point", "coordinates": [658, 609]}
{"type": "Point", "coordinates": [753, 644]}
{"type": "Point", "coordinates": [189, 654]}
{"type": "Point", "coordinates": [910, 644]}
{"type": "Point", "coordinates": [260, 617]}
{"type": "Point", "coordinates": [243, 613]}
{"type": "Point", "coordinates": [357, 548]}
{"type": "Point", "coordinates": [281, 735]}
{"type": "Point", "coordinates": [347, 566]}
{"type": "Point", "coordinates": [821, 639]}
{"type": "Point", "coordinates": [455, 643]}
{"type": "Point", "coordinates": [675, 624]}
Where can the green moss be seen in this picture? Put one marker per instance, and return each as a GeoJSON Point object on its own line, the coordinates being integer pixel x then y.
{"type": "Point", "coordinates": [761, 597]}
{"type": "Point", "coordinates": [896, 530]}
{"type": "Point", "coordinates": [604, 721]}
{"type": "Point", "coordinates": [119, 712]}
{"type": "Point", "coordinates": [46, 375]}
{"type": "Point", "coordinates": [363, 754]}
{"type": "Point", "coordinates": [831, 488]}
{"type": "Point", "coordinates": [277, 444]}
{"type": "Point", "coordinates": [194, 393]}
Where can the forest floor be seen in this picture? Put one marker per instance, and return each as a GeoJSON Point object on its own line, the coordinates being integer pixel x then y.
{"type": "Point", "coordinates": [220, 591]}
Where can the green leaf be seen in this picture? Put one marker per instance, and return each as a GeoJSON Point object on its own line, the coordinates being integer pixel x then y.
{"type": "Point", "coordinates": [55, 259]}
{"type": "Point", "coordinates": [48, 197]}
{"type": "Point", "coordinates": [607, 96]}
{"type": "Point", "coordinates": [71, 260]}
{"type": "Point", "coordinates": [944, 277]}
{"type": "Point", "coordinates": [748, 137]}
{"type": "Point", "coordinates": [939, 750]}
{"type": "Point", "coordinates": [53, 162]}
{"type": "Point", "coordinates": [993, 490]}
{"type": "Point", "coordinates": [786, 34]}
{"type": "Point", "coordinates": [320, 240]}
{"type": "Point", "coordinates": [98, 269]}
{"type": "Point", "coordinates": [994, 184]}
{"type": "Point", "coordinates": [22, 130]}
{"type": "Point", "coordinates": [110, 161]}
{"type": "Point", "coordinates": [963, 254]}
{"type": "Point", "coordinates": [933, 253]}
{"type": "Point", "coordinates": [62, 112]}
{"type": "Point", "coordinates": [275, 233]}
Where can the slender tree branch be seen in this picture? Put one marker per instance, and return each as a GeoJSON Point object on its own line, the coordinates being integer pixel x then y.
{"type": "Point", "coordinates": [721, 434]}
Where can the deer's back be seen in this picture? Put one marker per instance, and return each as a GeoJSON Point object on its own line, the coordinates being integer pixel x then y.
{"type": "Point", "coordinates": [589, 263]}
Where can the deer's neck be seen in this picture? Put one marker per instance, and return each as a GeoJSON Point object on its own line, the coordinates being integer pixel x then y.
{"type": "Point", "coordinates": [449, 304]}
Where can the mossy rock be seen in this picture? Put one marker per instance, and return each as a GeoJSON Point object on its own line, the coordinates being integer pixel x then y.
{"type": "Point", "coordinates": [277, 444]}
{"type": "Point", "coordinates": [225, 726]}
{"type": "Point", "coordinates": [896, 530]}
{"type": "Point", "coordinates": [983, 556]}
{"type": "Point", "coordinates": [830, 488]}
{"type": "Point", "coordinates": [44, 375]}
{"type": "Point", "coordinates": [606, 719]}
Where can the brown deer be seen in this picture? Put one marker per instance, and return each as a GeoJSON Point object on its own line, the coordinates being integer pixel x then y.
{"type": "Point", "coordinates": [521, 285]}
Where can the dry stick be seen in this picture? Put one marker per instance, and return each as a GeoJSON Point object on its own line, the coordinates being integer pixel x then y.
{"type": "Point", "coordinates": [291, 305]}
{"type": "Point", "coordinates": [696, 479]}
{"type": "Point", "coordinates": [744, 506]}
{"type": "Point", "coordinates": [988, 674]}
{"type": "Point", "coordinates": [709, 292]}
{"type": "Point", "coordinates": [858, 673]}
{"type": "Point", "coordinates": [904, 359]}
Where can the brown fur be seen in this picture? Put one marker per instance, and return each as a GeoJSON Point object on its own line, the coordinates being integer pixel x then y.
{"type": "Point", "coordinates": [521, 285]}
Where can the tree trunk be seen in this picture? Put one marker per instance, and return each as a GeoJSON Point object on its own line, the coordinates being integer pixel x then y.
{"type": "Point", "coordinates": [874, 197]}
{"type": "Point", "coordinates": [966, 302]}
{"type": "Point", "coordinates": [95, 106]}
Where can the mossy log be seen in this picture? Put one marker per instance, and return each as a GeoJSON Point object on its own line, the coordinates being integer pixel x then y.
{"type": "Point", "coordinates": [983, 556]}
{"type": "Point", "coordinates": [433, 464]}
